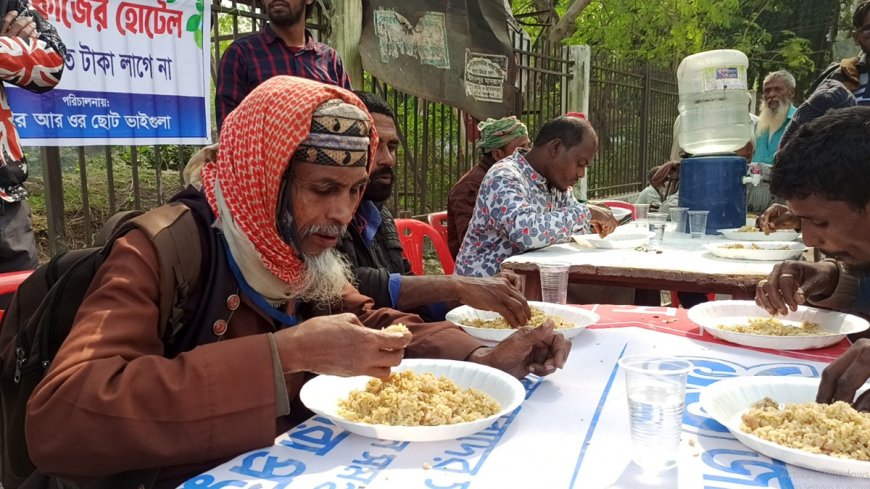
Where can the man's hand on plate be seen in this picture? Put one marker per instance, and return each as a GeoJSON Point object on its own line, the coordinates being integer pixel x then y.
{"type": "Point", "coordinates": [845, 375]}
{"type": "Point", "coordinates": [529, 350]}
{"type": "Point", "coordinates": [777, 217]}
{"type": "Point", "coordinates": [791, 283]}
{"type": "Point", "coordinates": [603, 221]}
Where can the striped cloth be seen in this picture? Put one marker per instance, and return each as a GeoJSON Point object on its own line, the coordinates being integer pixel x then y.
{"type": "Point", "coordinates": [256, 148]}
{"type": "Point", "coordinates": [251, 60]}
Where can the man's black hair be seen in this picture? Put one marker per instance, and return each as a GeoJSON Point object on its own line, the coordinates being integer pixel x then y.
{"type": "Point", "coordinates": [569, 130]}
{"type": "Point", "coordinates": [859, 14]}
{"type": "Point", "coordinates": [375, 104]}
{"type": "Point", "coordinates": [828, 157]}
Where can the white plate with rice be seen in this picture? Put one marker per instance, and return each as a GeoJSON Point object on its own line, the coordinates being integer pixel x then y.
{"type": "Point", "coordinates": [472, 320]}
{"type": "Point", "coordinates": [748, 233]}
{"type": "Point", "coordinates": [757, 251]}
{"type": "Point", "coordinates": [323, 393]}
{"type": "Point", "coordinates": [716, 316]}
{"type": "Point", "coordinates": [616, 241]}
{"type": "Point", "coordinates": [727, 400]}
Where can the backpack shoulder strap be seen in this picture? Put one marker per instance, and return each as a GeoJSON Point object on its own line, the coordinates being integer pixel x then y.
{"type": "Point", "coordinates": [173, 230]}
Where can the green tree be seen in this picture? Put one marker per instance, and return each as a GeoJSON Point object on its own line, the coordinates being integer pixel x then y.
{"type": "Point", "coordinates": [774, 34]}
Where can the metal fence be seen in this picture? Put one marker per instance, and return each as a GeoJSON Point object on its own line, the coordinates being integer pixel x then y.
{"type": "Point", "coordinates": [438, 141]}
{"type": "Point", "coordinates": [632, 106]}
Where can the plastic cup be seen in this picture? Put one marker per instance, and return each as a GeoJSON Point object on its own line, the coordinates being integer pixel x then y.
{"type": "Point", "coordinates": [640, 213]}
{"type": "Point", "coordinates": [657, 222]}
{"type": "Point", "coordinates": [656, 391]}
{"type": "Point", "coordinates": [554, 283]}
{"type": "Point", "coordinates": [697, 223]}
{"type": "Point", "coordinates": [678, 220]}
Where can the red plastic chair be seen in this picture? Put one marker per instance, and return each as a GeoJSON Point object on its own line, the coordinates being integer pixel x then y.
{"type": "Point", "coordinates": [438, 220]}
{"type": "Point", "coordinates": [618, 203]}
{"type": "Point", "coordinates": [9, 282]}
{"type": "Point", "coordinates": [411, 234]}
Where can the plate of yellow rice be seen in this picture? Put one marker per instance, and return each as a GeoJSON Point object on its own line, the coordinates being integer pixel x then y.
{"type": "Point", "coordinates": [778, 417]}
{"type": "Point", "coordinates": [422, 400]}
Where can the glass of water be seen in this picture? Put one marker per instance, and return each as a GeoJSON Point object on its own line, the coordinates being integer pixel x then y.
{"type": "Point", "coordinates": [640, 212]}
{"type": "Point", "coordinates": [657, 222]}
{"type": "Point", "coordinates": [656, 388]}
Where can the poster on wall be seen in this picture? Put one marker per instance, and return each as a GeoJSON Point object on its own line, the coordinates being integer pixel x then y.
{"type": "Point", "coordinates": [137, 72]}
{"type": "Point", "coordinates": [457, 52]}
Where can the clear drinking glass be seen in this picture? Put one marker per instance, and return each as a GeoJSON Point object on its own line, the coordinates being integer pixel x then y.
{"type": "Point", "coordinates": [678, 220]}
{"type": "Point", "coordinates": [657, 222]}
{"type": "Point", "coordinates": [697, 223]}
{"type": "Point", "coordinates": [640, 213]}
{"type": "Point", "coordinates": [554, 283]}
{"type": "Point", "coordinates": [656, 389]}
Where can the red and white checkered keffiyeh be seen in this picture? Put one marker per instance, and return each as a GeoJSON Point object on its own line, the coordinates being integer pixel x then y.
{"type": "Point", "coordinates": [257, 142]}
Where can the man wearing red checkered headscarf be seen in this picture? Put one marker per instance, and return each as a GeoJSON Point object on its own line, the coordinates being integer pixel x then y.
{"type": "Point", "coordinates": [292, 167]}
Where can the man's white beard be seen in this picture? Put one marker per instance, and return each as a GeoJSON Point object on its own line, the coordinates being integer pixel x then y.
{"type": "Point", "coordinates": [325, 277]}
{"type": "Point", "coordinates": [769, 121]}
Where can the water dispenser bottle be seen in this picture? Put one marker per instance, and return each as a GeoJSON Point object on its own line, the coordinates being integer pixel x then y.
{"type": "Point", "coordinates": [714, 102]}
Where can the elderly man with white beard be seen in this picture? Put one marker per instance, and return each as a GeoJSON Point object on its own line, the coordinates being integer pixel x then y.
{"type": "Point", "coordinates": [293, 165]}
{"type": "Point", "coordinates": [776, 112]}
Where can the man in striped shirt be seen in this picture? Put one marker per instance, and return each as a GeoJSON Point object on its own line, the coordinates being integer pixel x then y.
{"type": "Point", "coordinates": [284, 47]}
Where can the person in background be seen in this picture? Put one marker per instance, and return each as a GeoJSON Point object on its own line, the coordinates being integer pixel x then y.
{"type": "Point", "coordinates": [829, 95]}
{"type": "Point", "coordinates": [372, 248]}
{"type": "Point", "coordinates": [499, 138]}
{"type": "Point", "coordinates": [823, 174]}
{"type": "Point", "coordinates": [853, 72]}
{"type": "Point", "coordinates": [31, 56]}
{"type": "Point", "coordinates": [294, 162]}
{"type": "Point", "coordinates": [662, 193]}
{"type": "Point", "coordinates": [525, 200]}
{"type": "Point", "coordinates": [775, 114]}
{"type": "Point", "coordinates": [284, 47]}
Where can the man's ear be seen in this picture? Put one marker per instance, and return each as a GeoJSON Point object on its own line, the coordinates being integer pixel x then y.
{"type": "Point", "coordinates": [553, 147]}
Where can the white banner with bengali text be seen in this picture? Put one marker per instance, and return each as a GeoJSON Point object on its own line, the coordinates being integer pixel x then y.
{"type": "Point", "coordinates": [137, 72]}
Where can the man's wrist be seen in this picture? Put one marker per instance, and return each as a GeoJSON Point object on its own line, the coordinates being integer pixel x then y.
{"type": "Point", "coordinates": [478, 354]}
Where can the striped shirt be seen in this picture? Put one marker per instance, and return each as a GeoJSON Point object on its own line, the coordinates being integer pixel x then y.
{"type": "Point", "coordinates": [862, 93]}
{"type": "Point", "coordinates": [253, 59]}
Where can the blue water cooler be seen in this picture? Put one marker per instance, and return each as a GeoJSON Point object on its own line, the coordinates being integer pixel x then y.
{"type": "Point", "coordinates": [715, 184]}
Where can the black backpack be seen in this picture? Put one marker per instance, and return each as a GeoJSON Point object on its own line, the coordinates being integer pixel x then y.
{"type": "Point", "coordinates": [43, 308]}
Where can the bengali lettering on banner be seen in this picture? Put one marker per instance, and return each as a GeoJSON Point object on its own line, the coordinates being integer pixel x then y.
{"type": "Point", "coordinates": [137, 72]}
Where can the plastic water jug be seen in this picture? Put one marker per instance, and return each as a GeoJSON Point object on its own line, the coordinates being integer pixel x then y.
{"type": "Point", "coordinates": [714, 102]}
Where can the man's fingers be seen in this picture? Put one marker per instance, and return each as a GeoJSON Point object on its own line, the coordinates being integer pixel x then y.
{"type": "Point", "coordinates": [832, 373]}
{"type": "Point", "coordinates": [853, 377]}
{"type": "Point", "coordinates": [788, 288]}
{"type": "Point", "coordinates": [378, 372]}
{"type": "Point", "coordinates": [392, 341]}
{"type": "Point", "coordinates": [8, 19]}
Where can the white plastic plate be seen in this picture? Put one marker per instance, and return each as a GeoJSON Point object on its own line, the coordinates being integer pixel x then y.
{"type": "Point", "coordinates": [614, 241]}
{"type": "Point", "coordinates": [727, 400]}
{"type": "Point", "coordinates": [322, 394]}
{"type": "Point", "coordinates": [781, 235]}
{"type": "Point", "coordinates": [714, 314]}
{"type": "Point", "coordinates": [759, 250]}
{"type": "Point", "coordinates": [619, 213]}
{"type": "Point", "coordinates": [581, 318]}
